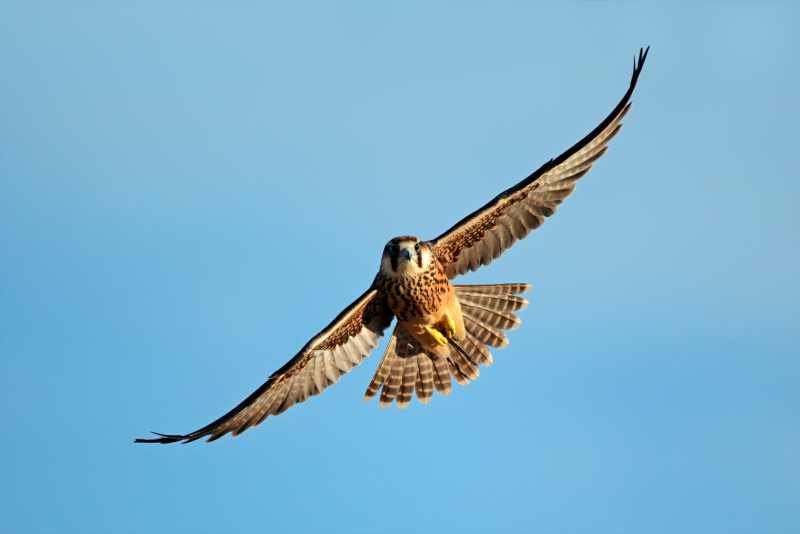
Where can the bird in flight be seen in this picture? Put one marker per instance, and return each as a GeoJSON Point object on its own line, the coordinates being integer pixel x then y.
{"type": "Point", "coordinates": [443, 330]}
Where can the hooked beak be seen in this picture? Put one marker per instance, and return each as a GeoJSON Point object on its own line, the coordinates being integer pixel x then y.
{"type": "Point", "coordinates": [405, 253]}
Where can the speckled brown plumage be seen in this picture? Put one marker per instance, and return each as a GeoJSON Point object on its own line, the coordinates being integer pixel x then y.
{"type": "Point", "coordinates": [412, 297]}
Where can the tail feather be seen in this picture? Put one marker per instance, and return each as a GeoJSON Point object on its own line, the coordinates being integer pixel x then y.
{"type": "Point", "coordinates": [392, 385]}
{"type": "Point", "coordinates": [492, 289]}
{"type": "Point", "coordinates": [424, 379]}
{"type": "Point", "coordinates": [442, 377]}
{"type": "Point", "coordinates": [485, 333]}
{"type": "Point", "coordinates": [406, 367]}
{"type": "Point", "coordinates": [461, 364]}
{"type": "Point", "coordinates": [500, 297]}
{"type": "Point", "coordinates": [490, 317]}
{"type": "Point", "coordinates": [508, 303]}
{"type": "Point", "coordinates": [410, 373]}
{"type": "Point", "coordinates": [478, 351]}
{"type": "Point", "coordinates": [383, 370]}
{"type": "Point", "coordinates": [460, 376]}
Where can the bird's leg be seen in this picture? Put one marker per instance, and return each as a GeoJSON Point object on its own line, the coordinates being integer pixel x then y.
{"type": "Point", "coordinates": [443, 331]}
{"type": "Point", "coordinates": [436, 335]}
{"type": "Point", "coordinates": [447, 326]}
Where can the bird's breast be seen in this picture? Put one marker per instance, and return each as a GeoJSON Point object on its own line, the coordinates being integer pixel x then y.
{"type": "Point", "coordinates": [417, 298]}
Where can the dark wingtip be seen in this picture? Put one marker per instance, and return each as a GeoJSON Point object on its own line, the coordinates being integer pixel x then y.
{"type": "Point", "coordinates": [163, 438]}
{"type": "Point", "coordinates": [638, 64]}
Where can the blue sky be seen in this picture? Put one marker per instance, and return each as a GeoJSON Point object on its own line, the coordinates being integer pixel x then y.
{"type": "Point", "coordinates": [188, 193]}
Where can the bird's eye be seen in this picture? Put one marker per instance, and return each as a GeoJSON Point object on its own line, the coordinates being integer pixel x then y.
{"type": "Point", "coordinates": [416, 247]}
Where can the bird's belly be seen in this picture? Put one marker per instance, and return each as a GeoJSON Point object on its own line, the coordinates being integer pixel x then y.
{"type": "Point", "coordinates": [415, 317]}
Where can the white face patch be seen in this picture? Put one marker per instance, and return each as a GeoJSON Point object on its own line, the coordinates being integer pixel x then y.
{"type": "Point", "coordinates": [427, 257]}
{"type": "Point", "coordinates": [410, 267]}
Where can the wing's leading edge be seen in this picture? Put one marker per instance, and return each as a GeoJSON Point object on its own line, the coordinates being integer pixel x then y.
{"type": "Point", "coordinates": [483, 235]}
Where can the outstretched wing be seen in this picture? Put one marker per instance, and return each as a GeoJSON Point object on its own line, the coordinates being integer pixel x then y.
{"type": "Point", "coordinates": [484, 234]}
{"type": "Point", "coordinates": [331, 353]}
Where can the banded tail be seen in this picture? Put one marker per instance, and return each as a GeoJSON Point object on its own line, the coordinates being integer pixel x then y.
{"type": "Point", "coordinates": [406, 367]}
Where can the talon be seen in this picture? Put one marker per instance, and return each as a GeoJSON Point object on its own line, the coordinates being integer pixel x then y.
{"type": "Point", "coordinates": [438, 336]}
{"type": "Point", "coordinates": [449, 327]}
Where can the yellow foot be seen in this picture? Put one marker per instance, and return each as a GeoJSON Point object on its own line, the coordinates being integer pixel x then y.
{"type": "Point", "coordinates": [435, 334]}
{"type": "Point", "coordinates": [447, 326]}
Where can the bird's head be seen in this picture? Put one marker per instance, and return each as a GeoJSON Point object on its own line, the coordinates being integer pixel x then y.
{"type": "Point", "coordinates": [406, 255]}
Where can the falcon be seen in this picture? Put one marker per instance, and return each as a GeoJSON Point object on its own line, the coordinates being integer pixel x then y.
{"type": "Point", "coordinates": [443, 330]}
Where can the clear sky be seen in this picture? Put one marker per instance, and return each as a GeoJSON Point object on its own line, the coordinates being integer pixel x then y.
{"type": "Point", "coordinates": [188, 193]}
